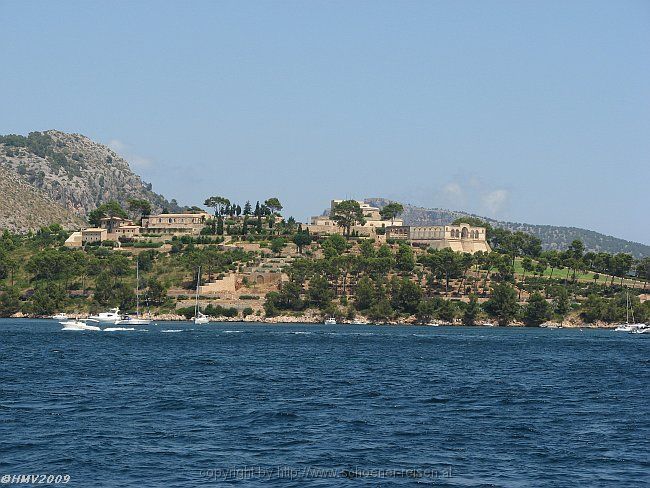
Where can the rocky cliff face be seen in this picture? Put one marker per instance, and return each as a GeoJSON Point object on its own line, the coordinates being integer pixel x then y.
{"type": "Point", "coordinates": [552, 236]}
{"type": "Point", "coordinates": [75, 172]}
{"type": "Point", "coordinates": [24, 208]}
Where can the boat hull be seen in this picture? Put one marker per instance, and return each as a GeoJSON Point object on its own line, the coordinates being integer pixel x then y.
{"type": "Point", "coordinates": [76, 325]}
{"type": "Point", "coordinates": [133, 322]}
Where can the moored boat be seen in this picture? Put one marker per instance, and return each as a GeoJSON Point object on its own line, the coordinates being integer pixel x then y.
{"type": "Point", "coordinates": [199, 318]}
{"type": "Point", "coordinates": [137, 319]}
{"type": "Point", "coordinates": [629, 312]}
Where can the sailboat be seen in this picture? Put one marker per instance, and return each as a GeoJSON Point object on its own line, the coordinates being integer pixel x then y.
{"type": "Point", "coordinates": [629, 327]}
{"type": "Point", "coordinates": [199, 318]}
{"type": "Point", "coordinates": [135, 320]}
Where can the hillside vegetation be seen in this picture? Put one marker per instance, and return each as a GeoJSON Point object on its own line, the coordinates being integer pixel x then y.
{"type": "Point", "coordinates": [353, 278]}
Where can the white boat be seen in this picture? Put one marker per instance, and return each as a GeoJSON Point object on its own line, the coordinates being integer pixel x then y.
{"type": "Point", "coordinates": [60, 316]}
{"type": "Point", "coordinates": [199, 318]}
{"type": "Point", "coordinates": [330, 321]}
{"type": "Point", "coordinates": [135, 320]}
{"type": "Point", "coordinates": [629, 312]}
{"type": "Point", "coordinates": [630, 327]}
{"type": "Point", "coordinates": [77, 325]}
{"type": "Point", "coordinates": [110, 317]}
{"type": "Point", "coordinates": [642, 330]}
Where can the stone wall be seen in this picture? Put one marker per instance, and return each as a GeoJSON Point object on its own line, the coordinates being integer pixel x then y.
{"type": "Point", "coordinates": [460, 238]}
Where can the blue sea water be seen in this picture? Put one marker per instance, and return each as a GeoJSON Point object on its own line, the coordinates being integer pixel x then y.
{"type": "Point", "coordinates": [293, 405]}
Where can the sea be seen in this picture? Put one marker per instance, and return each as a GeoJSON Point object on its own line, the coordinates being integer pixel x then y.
{"type": "Point", "coordinates": [177, 405]}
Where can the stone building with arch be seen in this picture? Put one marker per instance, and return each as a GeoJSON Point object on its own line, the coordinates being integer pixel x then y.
{"type": "Point", "coordinates": [461, 238]}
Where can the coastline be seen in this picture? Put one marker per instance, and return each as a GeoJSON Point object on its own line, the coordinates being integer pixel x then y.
{"type": "Point", "coordinates": [314, 319]}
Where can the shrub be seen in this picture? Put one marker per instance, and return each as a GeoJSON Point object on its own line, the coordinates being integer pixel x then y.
{"type": "Point", "coordinates": [149, 245]}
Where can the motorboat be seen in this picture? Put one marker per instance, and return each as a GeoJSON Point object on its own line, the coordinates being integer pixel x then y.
{"type": "Point", "coordinates": [551, 326]}
{"type": "Point", "coordinates": [630, 327]}
{"type": "Point", "coordinates": [330, 321]}
{"type": "Point", "coordinates": [60, 316]}
{"type": "Point", "coordinates": [133, 320]}
{"type": "Point", "coordinates": [199, 318]}
{"type": "Point", "coordinates": [75, 324]}
{"type": "Point", "coordinates": [641, 330]}
{"type": "Point", "coordinates": [110, 317]}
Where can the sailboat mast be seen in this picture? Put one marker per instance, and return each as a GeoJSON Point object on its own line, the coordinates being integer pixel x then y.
{"type": "Point", "coordinates": [198, 281]}
{"type": "Point", "coordinates": [137, 287]}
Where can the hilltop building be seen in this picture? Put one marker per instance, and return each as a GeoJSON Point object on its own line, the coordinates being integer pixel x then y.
{"type": "Point", "coordinates": [86, 236]}
{"type": "Point", "coordinates": [116, 228]}
{"type": "Point", "coordinates": [323, 224]}
{"type": "Point", "coordinates": [461, 238]}
{"type": "Point", "coordinates": [112, 223]}
{"type": "Point", "coordinates": [175, 223]}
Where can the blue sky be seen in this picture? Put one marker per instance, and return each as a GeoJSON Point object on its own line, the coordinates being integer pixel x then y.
{"type": "Point", "coordinates": [529, 111]}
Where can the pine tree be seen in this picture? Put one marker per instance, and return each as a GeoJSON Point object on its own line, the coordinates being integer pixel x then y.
{"type": "Point", "coordinates": [471, 311]}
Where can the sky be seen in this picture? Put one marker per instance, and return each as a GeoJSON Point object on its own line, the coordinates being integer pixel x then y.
{"type": "Point", "coordinates": [535, 111]}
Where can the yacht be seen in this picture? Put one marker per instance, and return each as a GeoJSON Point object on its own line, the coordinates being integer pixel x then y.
{"type": "Point", "coordinates": [76, 324]}
{"type": "Point", "coordinates": [330, 321]}
{"type": "Point", "coordinates": [60, 316]}
{"type": "Point", "coordinates": [133, 320]}
{"type": "Point", "coordinates": [110, 317]}
{"type": "Point", "coordinates": [642, 330]}
{"type": "Point", "coordinates": [136, 319]}
{"type": "Point", "coordinates": [551, 326]}
{"type": "Point", "coordinates": [630, 327]}
{"type": "Point", "coordinates": [199, 318]}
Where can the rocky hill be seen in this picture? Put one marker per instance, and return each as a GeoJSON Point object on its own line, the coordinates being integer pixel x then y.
{"type": "Point", "coordinates": [73, 171]}
{"type": "Point", "coordinates": [552, 236]}
{"type": "Point", "coordinates": [23, 207]}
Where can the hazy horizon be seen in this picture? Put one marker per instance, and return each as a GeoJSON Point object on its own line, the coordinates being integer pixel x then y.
{"type": "Point", "coordinates": [527, 112]}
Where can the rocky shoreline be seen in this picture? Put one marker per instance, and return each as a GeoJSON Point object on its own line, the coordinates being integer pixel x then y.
{"type": "Point", "coordinates": [316, 319]}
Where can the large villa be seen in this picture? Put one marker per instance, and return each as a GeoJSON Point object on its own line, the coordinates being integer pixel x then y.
{"type": "Point", "coordinates": [461, 238]}
{"type": "Point", "coordinates": [117, 228]}
{"type": "Point", "coordinates": [323, 224]}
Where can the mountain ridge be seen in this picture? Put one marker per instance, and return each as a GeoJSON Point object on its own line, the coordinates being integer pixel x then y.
{"type": "Point", "coordinates": [24, 207]}
{"type": "Point", "coordinates": [75, 172]}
